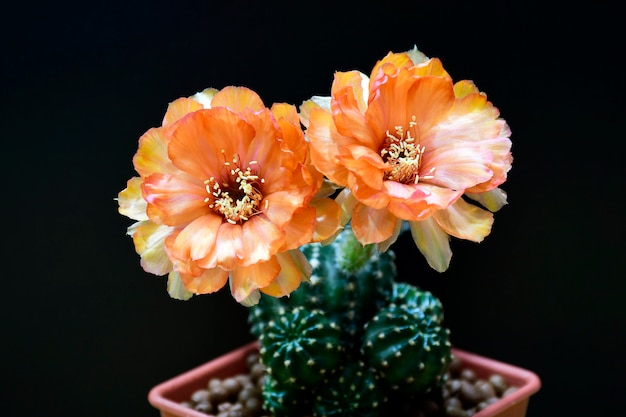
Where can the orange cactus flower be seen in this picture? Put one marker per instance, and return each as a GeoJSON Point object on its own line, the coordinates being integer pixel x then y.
{"type": "Point", "coordinates": [409, 145]}
{"type": "Point", "coordinates": [226, 193]}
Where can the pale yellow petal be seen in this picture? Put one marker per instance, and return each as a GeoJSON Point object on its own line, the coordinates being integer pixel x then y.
{"type": "Point", "coordinates": [465, 221]}
{"type": "Point", "coordinates": [131, 202]}
{"type": "Point", "coordinates": [205, 97]}
{"type": "Point", "coordinates": [149, 239]}
{"type": "Point", "coordinates": [492, 200]}
{"type": "Point", "coordinates": [176, 288]}
{"type": "Point", "coordinates": [433, 242]}
{"type": "Point", "coordinates": [180, 108]}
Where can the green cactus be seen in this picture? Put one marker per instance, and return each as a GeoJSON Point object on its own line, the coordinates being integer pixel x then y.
{"type": "Point", "coordinates": [352, 337]}
{"type": "Point", "coordinates": [409, 349]}
{"type": "Point", "coordinates": [300, 347]}
{"type": "Point", "coordinates": [350, 282]}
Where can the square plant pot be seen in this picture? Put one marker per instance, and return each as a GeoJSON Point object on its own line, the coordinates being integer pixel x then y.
{"type": "Point", "coordinates": [168, 396]}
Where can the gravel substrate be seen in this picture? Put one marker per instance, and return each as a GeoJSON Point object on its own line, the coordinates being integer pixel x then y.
{"type": "Point", "coordinates": [462, 395]}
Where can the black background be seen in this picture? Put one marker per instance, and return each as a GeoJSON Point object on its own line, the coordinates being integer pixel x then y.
{"type": "Point", "coordinates": [87, 333]}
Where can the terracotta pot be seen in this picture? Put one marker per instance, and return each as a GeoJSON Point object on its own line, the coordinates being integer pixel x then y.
{"type": "Point", "coordinates": [168, 395]}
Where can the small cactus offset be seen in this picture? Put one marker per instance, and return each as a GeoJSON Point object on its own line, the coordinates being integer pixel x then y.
{"type": "Point", "coordinates": [300, 347]}
{"type": "Point", "coordinates": [411, 297]}
{"type": "Point", "coordinates": [409, 349]}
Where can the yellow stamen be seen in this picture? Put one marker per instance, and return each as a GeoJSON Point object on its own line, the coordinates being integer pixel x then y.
{"type": "Point", "coordinates": [403, 153]}
{"type": "Point", "coordinates": [237, 197]}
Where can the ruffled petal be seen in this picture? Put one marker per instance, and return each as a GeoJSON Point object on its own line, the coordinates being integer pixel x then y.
{"type": "Point", "coordinates": [246, 279]}
{"type": "Point", "coordinates": [151, 156]}
{"type": "Point", "coordinates": [261, 239]}
{"type": "Point", "coordinates": [326, 145]}
{"type": "Point", "coordinates": [299, 230]}
{"type": "Point", "coordinates": [228, 250]}
{"type": "Point", "coordinates": [349, 106]}
{"type": "Point", "coordinates": [386, 244]}
{"type": "Point", "coordinates": [457, 165]}
{"type": "Point", "coordinates": [180, 108]}
{"type": "Point", "coordinates": [287, 112]}
{"type": "Point", "coordinates": [315, 102]}
{"type": "Point", "coordinates": [280, 206]}
{"type": "Point", "coordinates": [237, 99]}
{"type": "Point", "coordinates": [206, 139]}
{"type": "Point", "coordinates": [433, 242]}
{"type": "Point", "coordinates": [465, 221]}
{"type": "Point", "coordinates": [197, 239]}
{"type": "Point", "coordinates": [371, 225]}
{"type": "Point", "coordinates": [173, 201]}
{"type": "Point", "coordinates": [209, 281]}
{"type": "Point", "coordinates": [327, 218]}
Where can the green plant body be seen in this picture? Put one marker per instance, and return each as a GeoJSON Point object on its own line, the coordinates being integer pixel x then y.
{"type": "Point", "coordinates": [344, 343]}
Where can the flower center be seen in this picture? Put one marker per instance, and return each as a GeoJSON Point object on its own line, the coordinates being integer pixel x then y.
{"type": "Point", "coordinates": [403, 153]}
{"type": "Point", "coordinates": [236, 196]}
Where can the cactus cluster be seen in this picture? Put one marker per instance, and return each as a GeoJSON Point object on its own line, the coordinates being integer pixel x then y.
{"type": "Point", "coordinates": [344, 343]}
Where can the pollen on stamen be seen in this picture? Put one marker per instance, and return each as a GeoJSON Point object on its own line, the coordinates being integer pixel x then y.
{"type": "Point", "coordinates": [236, 197]}
{"type": "Point", "coordinates": [403, 153]}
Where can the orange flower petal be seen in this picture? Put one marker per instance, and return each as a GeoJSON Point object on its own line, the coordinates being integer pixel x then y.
{"type": "Point", "coordinates": [197, 240]}
{"type": "Point", "coordinates": [326, 143]}
{"type": "Point", "coordinates": [391, 60]}
{"type": "Point", "coordinates": [429, 100]}
{"type": "Point", "coordinates": [261, 239]}
{"type": "Point", "coordinates": [280, 206]}
{"type": "Point", "coordinates": [432, 67]}
{"type": "Point", "coordinates": [246, 279]}
{"type": "Point", "coordinates": [371, 225]}
{"type": "Point", "coordinates": [294, 268]}
{"type": "Point", "coordinates": [210, 281]}
{"type": "Point", "coordinates": [285, 111]}
{"type": "Point", "coordinates": [327, 218]}
{"type": "Point", "coordinates": [206, 139]}
{"type": "Point", "coordinates": [228, 250]}
{"type": "Point", "coordinates": [172, 201]}
{"type": "Point", "coordinates": [300, 229]}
